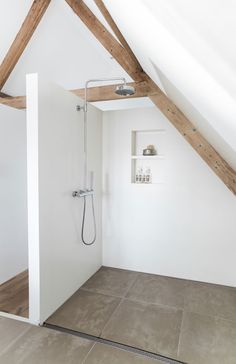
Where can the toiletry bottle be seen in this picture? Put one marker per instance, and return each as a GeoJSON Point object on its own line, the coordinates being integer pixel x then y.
{"type": "Point", "coordinates": [140, 179]}
{"type": "Point", "coordinates": [148, 175]}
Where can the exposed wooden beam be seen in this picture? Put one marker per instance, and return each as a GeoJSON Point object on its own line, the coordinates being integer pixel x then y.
{"type": "Point", "coordinates": [197, 141]}
{"type": "Point", "coordinates": [114, 27]}
{"type": "Point", "coordinates": [100, 93]}
{"type": "Point", "coordinates": [167, 107]}
{"type": "Point", "coordinates": [2, 94]}
{"type": "Point", "coordinates": [106, 38]}
{"type": "Point", "coordinates": [17, 102]}
{"type": "Point", "coordinates": [26, 31]}
{"type": "Point", "coordinates": [106, 93]}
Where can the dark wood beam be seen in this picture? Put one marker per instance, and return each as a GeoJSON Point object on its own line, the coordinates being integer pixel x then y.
{"type": "Point", "coordinates": [26, 31]}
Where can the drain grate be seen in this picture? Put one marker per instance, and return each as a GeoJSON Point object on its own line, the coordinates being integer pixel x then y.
{"type": "Point", "coordinates": [114, 344]}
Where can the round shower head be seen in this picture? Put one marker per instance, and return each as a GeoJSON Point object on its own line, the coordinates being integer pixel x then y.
{"type": "Point", "coordinates": [125, 90]}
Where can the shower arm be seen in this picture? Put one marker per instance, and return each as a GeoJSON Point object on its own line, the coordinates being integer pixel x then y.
{"type": "Point", "coordinates": [99, 80]}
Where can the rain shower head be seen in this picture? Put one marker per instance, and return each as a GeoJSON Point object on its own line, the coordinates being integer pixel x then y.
{"type": "Point", "coordinates": [125, 90]}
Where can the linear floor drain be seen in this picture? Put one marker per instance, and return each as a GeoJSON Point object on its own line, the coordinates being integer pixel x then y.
{"type": "Point", "coordinates": [114, 344]}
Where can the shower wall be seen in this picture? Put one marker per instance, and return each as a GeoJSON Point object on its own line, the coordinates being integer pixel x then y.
{"type": "Point", "coordinates": [59, 262]}
{"type": "Point", "coordinates": [13, 193]}
{"type": "Point", "coordinates": [182, 227]}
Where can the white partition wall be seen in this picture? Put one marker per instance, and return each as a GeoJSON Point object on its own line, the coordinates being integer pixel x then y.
{"type": "Point", "coordinates": [58, 261]}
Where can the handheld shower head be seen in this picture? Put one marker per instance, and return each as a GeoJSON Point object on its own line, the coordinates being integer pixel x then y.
{"type": "Point", "coordinates": [125, 90]}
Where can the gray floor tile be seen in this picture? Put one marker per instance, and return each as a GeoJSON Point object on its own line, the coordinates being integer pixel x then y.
{"type": "Point", "coordinates": [103, 354]}
{"type": "Point", "coordinates": [43, 346]}
{"type": "Point", "coordinates": [150, 327]}
{"type": "Point", "coordinates": [210, 299]}
{"type": "Point", "coordinates": [86, 312]}
{"type": "Point", "coordinates": [207, 340]}
{"type": "Point", "coordinates": [158, 289]}
{"type": "Point", "coordinates": [111, 281]}
{"type": "Point", "coordinates": [10, 330]}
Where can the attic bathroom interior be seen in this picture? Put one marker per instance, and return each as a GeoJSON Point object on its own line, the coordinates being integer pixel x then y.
{"type": "Point", "coordinates": [118, 182]}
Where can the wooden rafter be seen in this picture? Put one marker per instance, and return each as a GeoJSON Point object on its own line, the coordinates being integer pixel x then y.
{"type": "Point", "coordinates": [106, 38]}
{"type": "Point", "coordinates": [17, 102]}
{"type": "Point", "coordinates": [26, 31]}
{"type": "Point", "coordinates": [2, 94]}
{"type": "Point", "coordinates": [168, 108]}
{"type": "Point", "coordinates": [106, 93]}
{"type": "Point", "coordinates": [114, 27]}
{"type": "Point", "coordinates": [100, 93]}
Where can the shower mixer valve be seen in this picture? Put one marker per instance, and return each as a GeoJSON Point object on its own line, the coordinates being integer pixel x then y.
{"type": "Point", "coordinates": [82, 193]}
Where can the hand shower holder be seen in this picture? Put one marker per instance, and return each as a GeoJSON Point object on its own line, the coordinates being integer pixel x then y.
{"type": "Point", "coordinates": [82, 193]}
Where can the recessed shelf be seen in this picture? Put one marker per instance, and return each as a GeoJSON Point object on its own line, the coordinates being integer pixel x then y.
{"type": "Point", "coordinates": [149, 168]}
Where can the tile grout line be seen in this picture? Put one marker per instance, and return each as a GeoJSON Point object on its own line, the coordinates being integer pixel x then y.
{"type": "Point", "coordinates": [180, 336]}
{"type": "Point", "coordinates": [116, 309]}
{"type": "Point", "coordinates": [133, 299]}
{"type": "Point", "coordinates": [111, 316]}
{"type": "Point", "coordinates": [87, 355]}
{"type": "Point", "coordinates": [181, 326]}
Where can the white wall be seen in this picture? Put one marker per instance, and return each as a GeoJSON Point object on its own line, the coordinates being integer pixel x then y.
{"type": "Point", "coordinates": [183, 228]}
{"type": "Point", "coordinates": [13, 195]}
{"type": "Point", "coordinates": [55, 169]}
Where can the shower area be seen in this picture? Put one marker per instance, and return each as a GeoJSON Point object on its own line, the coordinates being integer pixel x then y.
{"type": "Point", "coordinates": [101, 256]}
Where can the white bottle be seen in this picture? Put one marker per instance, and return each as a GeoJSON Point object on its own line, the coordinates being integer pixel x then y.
{"type": "Point", "coordinates": [140, 177]}
{"type": "Point", "coordinates": [137, 175]}
{"type": "Point", "coordinates": [148, 175]}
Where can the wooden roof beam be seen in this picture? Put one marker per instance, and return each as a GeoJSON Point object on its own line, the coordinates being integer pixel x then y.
{"type": "Point", "coordinates": [131, 66]}
{"type": "Point", "coordinates": [17, 102]}
{"type": "Point", "coordinates": [26, 31]}
{"type": "Point", "coordinates": [100, 93]}
{"type": "Point", "coordinates": [114, 27]}
{"type": "Point", "coordinates": [107, 93]}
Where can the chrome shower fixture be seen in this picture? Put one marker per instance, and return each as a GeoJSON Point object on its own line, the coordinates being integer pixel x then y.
{"type": "Point", "coordinates": [125, 90]}
{"type": "Point", "coordinates": [122, 90]}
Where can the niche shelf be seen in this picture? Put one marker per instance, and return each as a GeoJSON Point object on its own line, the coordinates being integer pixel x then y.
{"type": "Point", "coordinates": [140, 139]}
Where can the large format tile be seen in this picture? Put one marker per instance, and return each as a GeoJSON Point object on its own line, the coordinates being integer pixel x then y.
{"type": "Point", "coordinates": [86, 312]}
{"type": "Point", "coordinates": [207, 340]}
{"type": "Point", "coordinates": [111, 281]}
{"type": "Point", "coordinates": [104, 354]}
{"type": "Point", "coordinates": [158, 289]}
{"type": "Point", "coordinates": [146, 326]}
{"type": "Point", "coordinates": [210, 299]}
{"type": "Point", "coordinates": [10, 330]}
{"type": "Point", "coordinates": [43, 346]}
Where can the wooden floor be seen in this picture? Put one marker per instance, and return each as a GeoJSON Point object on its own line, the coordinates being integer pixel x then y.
{"type": "Point", "coordinates": [14, 295]}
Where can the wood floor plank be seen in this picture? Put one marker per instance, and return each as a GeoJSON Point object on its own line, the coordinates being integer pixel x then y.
{"type": "Point", "coordinates": [14, 295]}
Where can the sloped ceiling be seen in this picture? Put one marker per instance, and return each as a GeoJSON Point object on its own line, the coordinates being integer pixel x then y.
{"type": "Point", "coordinates": [190, 42]}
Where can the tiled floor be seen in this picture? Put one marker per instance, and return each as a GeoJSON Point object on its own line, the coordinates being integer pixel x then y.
{"type": "Point", "coordinates": [189, 321]}
{"type": "Point", "coordinates": [21, 343]}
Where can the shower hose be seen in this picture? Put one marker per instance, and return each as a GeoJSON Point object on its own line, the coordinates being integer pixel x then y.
{"type": "Point", "coordinates": [83, 221]}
